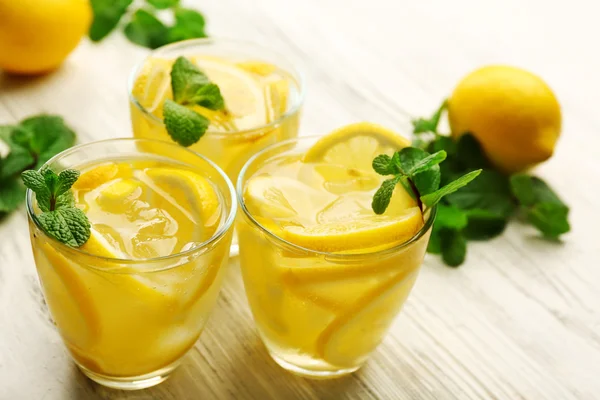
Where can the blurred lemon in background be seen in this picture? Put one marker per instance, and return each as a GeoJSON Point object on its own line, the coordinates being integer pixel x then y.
{"type": "Point", "coordinates": [37, 35]}
{"type": "Point", "coordinates": [512, 112]}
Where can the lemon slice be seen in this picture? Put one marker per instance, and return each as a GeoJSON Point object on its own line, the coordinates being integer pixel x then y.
{"type": "Point", "coordinates": [191, 193]}
{"type": "Point", "coordinates": [101, 174]}
{"type": "Point", "coordinates": [243, 94]}
{"type": "Point", "coordinates": [258, 67]}
{"type": "Point", "coordinates": [355, 146]}
{"type": "Point", "coordinates": [153, 84]}
{"type": "Point", "coordinates": [362, 233]}
{"type": "Point", "coordinates": [353, 335]}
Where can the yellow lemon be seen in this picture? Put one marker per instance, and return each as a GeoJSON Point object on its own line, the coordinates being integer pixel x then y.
{"type": "Point", "coordinates": [512, 112]}
{"type": "Point", "coordinates": [37, 35]}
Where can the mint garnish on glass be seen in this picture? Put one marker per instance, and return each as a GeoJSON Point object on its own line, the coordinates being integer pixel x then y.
{"type": "Point", "coordinates": [190, 87]}
{"type": "Point", "coordinates": [419, 173]}
{"type": "Point", "coordinates": [60, 218]}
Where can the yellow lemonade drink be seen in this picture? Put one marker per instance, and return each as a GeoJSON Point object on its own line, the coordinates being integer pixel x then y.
{"type": "Point", "coordinates": [262, 93]}
{"type": "Point", "coordinates": [135, 297]}
{"type": "Point", "coordinates": [325, 276]}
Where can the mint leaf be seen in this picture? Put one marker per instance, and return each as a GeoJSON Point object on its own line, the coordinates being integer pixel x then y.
{"type": "Point", "coordinates": [483, 224]}
{"type": "Point", "coordinates": [435, 242]}
{"type": "Point", "coordinates": [44, 136]}
{"type": "Point", "coordinates": [209, 96]}
{"type": "Point", "coordinates": [551, 219]}
{"type": "Point", "coordinates": [66, 179]}
{"type": "Point", "coordinates": [189, 24]}
{"type": "Point", "coordinates": [186, 79]}
{"type": "Point", "coordinates": [12, 194]}
{"type": "Point", "coordinates": [185, 126]}
{"type": "Point", "coordinates": [35, 181]}
{"type": "Point", "coordinates": [453, 246]}
{"type": "Point", "coordinates": [163, 4]}
{"type": "Point", "coordinates": [425, 163]}
{"type": "Point", "coordinates": [16, 161]}
{"type": "Point", "coordinates": [51, 181]}
{"type": "Point", "coordinates": [107, 14]}
{"type": "Point", "coordinates": [146, 30]}
{"type": "Point", "coordinates": [450, 217]}
{"type": "Point", "coordinates": [383, 165]}
{"type": "Point", "coordinates": [426, 181]}
{"type": "Point", "coordinates": [530, 190]}
{"type": "Point", "coordinates": [67, 199]}
{"type": "Point", "coordinates": [490, 191]}
{"type": "Point", "coordinates": [442, 143]}
{"type": "Point", "coordinates": [421, 125]}
{"type": "Point", "coordinates": [381, 199]}
{"type": "Point", "coordinates": [470, 153]}
{"type": "Point", "coordinates": [433, 198]}
{"type": "Point", "coordinates": [67, 225]}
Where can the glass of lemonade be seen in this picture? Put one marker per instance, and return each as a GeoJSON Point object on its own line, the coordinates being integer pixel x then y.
{"type": "Point", "coordinates": [325, 276]}
{"type": "Point", "coordinates": [263, 94]}
{"type": "Point", "coordinates": [135, 297]}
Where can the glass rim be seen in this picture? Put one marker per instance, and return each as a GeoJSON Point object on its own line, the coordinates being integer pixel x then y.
{"type": "Point", "coordinates": [298, 75]}
{"type": "Point", "coordinates": [216, 237]}
{"type": "Point", "coordinates": [330, 255]}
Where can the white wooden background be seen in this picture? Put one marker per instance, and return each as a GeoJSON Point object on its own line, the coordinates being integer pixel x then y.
{"type": "Point", "coordinates": [521, 319]}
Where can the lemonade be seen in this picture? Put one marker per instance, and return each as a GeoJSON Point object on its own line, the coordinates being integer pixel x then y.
{"type": "Point", "coordinates": [135, 297]}
{"type": "Point", "coordinates": [262, 96]}
{"type": "Point", "coordinates": [324, 275]}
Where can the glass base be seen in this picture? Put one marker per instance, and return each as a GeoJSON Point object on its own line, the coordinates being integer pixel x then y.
{"type": "Point", "coordinates": [312, 374]}
{"type": "Point", "coordinates": [131, 383]}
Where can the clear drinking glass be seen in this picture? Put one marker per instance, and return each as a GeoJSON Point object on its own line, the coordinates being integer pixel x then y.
{"type": "Point", "coordinates": [320, 314]}
{"type": "Point", "coordinates": [128, 322]}
{"type": "Point", "coordinates": [254, 81]}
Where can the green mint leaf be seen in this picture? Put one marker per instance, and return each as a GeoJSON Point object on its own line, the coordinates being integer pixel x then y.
{"type": "Point", "coordinates": [209, 96]}
{"type": "Point", "coordinates": [450, 217]}
{"type": "Point", "coordinates": [51, 181]}
{"type": "Point", "coordinates": [426, 181]}
{"type": "Point", "coordinates": [383, 165]}
{"type": "Point", "coordinates": [12, 194]}
{"type": "Point", "coordinates": [185, 126]}
{"type": "Point", "coordinates": [67, 225]}
{"type": "Point", "coordinates": [35, 181]}
{"type": "Point", "coordinates": [431, 199]}
{"type": "Point", "coordinates": [163, 4]}
{"type": "Point", "coordinates": [186, 79]}
{"type": "Point", "coordinates": [48, 136]}
{"type": "Point", "coordinates": [381, 199]}
{"type": "Point", "coordinates": [530, 190]}
{"type": "Point", "coordinates": [15, 162]}
{"type": "Point", "coordinates": [470, 153]}
{"type": "Point", "coordinates": [107, 14]}
{"type": "Point", "coordinates": [146, 29]}
{"type": "Point", "coordinates": [484, 225]}
{"type": "Point", "coordinates": [426, 163]}
{"type": "Point", "coordinates": [453, 246]}
{"type": "Point", "coordinates": [65, 200]}
{"type": "Point", "coordinates": [435, 242]}
{"type": "Point", "coordinates": [66, 179]}
{"type": "Point", "coordinates": [550, 218]}
{"type": "Point", "coordinates": [191, 86]}
{"type": "Point", "coordinates": [189, 24]}
{"type": "Point", "coordinates": [490, 192]}
{"type": "Point", "coordinates": [421, 125]}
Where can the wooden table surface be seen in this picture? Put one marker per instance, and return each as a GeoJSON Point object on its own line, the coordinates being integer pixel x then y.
{"type": "Point", "coordinates": [521, 319]}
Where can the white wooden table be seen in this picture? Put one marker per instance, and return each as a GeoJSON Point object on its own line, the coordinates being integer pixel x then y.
{"type": "Point", "coordinates": [521, 319]}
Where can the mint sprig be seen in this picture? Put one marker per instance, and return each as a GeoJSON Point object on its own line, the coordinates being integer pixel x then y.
{"type": "Point", "coordinates": [418, 171]}
{"type": "Point", "coordinates": [31, 143]}
{"type": "Point", "coordinates": [142, 25]}
{"type": "Point", "coordinates": [190, 86]}
{"type": "Point", "coordinates": [482, 210]}
{"type": "Point", "coordinates": [60, 218]}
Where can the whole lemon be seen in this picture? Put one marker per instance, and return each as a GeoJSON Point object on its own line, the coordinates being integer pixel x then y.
{"type": "Point", "coordinates": [512, 112]}
{"type": "Point", "coordinates": [37, 35]}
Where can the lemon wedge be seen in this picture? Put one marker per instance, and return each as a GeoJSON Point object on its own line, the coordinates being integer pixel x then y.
{"type": "Point", "coordinates": [187, 191]}
{"type": "Point", "coordinates": [101, 174]}
{"type": "Point", "coordinates": [357, 234]}
{"type": "Point", "coordinates": [368, 319]}
{"type": "Point", "coordinates": [153, 84]}
{"type": "Point", "coordinates": [355, 146]}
